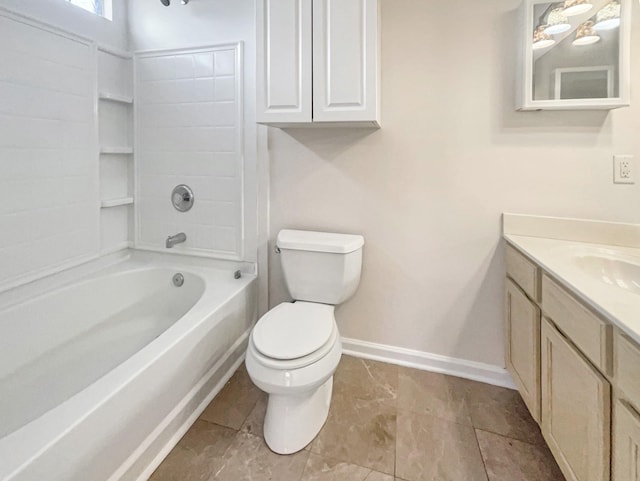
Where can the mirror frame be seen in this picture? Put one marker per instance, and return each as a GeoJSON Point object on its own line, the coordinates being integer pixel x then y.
{"type": "Point", "coordinates": [524, 87]}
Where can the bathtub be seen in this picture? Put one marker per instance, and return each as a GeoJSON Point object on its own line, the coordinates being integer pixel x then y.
{"type": "Point", "coordinates": [101, 375]}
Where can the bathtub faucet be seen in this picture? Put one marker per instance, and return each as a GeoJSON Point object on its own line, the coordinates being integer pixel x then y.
{"type": "Point", "coordinates": [176, 239]}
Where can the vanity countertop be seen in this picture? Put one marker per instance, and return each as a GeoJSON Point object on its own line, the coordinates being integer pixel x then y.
{"type": "Point", "coordinates": [584, 258]}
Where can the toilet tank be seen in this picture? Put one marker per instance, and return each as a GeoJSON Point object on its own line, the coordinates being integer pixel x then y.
{"type": "Point", "coordinates": [320, 266]}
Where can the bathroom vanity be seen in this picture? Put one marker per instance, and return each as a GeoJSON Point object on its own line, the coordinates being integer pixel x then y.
{"type": "Point", "coordinates": [573, 339]}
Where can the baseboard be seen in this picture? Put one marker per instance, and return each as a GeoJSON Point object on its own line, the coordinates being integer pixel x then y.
{"type": "Point", "coordinates": [426, 361]}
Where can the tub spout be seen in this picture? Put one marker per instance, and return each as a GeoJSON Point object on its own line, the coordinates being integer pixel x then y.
{"type": "Point", "coordinates": [176, 239]}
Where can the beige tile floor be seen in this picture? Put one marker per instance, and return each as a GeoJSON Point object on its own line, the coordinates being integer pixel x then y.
{"type": "Point", "coordinates": [387, 423]}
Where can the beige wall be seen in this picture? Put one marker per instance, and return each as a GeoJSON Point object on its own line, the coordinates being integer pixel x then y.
{"type": "Point", "coordinates": [427, 190]}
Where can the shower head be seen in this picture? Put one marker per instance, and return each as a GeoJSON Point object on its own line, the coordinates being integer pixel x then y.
{"type": "Point", "coordinates": [184, 2]}
{"type": "Point", "coordinates": [166, 3]}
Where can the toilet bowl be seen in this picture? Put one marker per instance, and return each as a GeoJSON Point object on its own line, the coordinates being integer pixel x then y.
{"type": "Point", "coordinates": [299, 388]}
{"type": "Point", "coordinates": [295, 348]}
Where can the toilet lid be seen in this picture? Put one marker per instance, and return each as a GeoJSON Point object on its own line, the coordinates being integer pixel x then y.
{"type": "Point", "coordinates": [293, 330]}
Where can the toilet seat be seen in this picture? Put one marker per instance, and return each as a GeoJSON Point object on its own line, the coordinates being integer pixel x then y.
{"type": "Point", "coordinates": [294, 335]}
{"type": "Point", "coordinates": [293, 330]}
{"type": "Point", "coordinates": [290, 364]}
{"type": "Point", "coordinates": [294, 376]}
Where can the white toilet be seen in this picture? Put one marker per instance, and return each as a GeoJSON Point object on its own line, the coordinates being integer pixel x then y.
{"type": "Point", "coordinates": [295, 347]}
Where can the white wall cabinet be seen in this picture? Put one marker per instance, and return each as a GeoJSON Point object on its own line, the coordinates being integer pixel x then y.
{"type": "Point", "coordinates": [318, 62]}
{"type": "Point", "coordinates": [345, 60]}
{"type": "Point", "coordinates": [284, 36]}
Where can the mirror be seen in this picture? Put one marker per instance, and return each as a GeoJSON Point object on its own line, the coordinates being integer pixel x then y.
{"type": "Point", "coordinates": [576, 55]}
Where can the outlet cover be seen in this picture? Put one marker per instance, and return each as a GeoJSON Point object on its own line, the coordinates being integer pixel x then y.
{"type": "Point", "coordinates": [623, 169]}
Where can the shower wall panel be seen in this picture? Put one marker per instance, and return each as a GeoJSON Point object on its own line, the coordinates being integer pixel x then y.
{"type": "Point", "coordinates": [48, 150]}
{"type": "Point", "coordinates": [189, 131]}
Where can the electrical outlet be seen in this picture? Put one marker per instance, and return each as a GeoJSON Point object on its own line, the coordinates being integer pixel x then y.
{"type": "Point", "coordinates": [623, 167]}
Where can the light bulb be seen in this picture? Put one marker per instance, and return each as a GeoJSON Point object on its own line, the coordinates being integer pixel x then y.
{"type": "Point", "coordinates": [576, 7]}
{"type": "Point", "coordinates": [586, 35]}
{"type": "Point", "coordinates": [540, 39]}
{"type": "Point", "coordinates": [609, 17]}
{"type": "Point", "coordinates": [557, 22]}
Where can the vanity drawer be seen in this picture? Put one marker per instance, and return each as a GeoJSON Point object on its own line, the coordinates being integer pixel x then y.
{"type": "Point", "coordinates": [626, 366]}
{"type": "Point", "coordinates": [588, 332]}
{"type": "Point", "coordinates": [524, 272]}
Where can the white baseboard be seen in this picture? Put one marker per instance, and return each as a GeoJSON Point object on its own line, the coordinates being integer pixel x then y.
{"type": "Point", "coordinates": [476, 371]}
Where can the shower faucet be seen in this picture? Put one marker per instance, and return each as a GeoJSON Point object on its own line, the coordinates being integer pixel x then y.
{"type": "Point", "coordinates": [176, 239]}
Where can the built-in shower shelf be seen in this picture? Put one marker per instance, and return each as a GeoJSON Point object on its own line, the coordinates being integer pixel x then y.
{"type": "Point", "coordinates": [116, 150]}
{"type": "Point", "coordinates": [105, 204]}
{"type": "Point", "coordinates": [111, 97]}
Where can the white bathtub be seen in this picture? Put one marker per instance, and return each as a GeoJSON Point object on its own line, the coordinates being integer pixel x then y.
{"type": "Point", "coordinates": [100, 377]}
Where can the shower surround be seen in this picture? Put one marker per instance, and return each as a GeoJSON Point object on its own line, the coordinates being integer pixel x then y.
{"type": "Point", "coordinates": [96, 137]}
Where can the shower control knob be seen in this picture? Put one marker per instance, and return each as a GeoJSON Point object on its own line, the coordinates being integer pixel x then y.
{"type": "Point", "coordinates": [182, 198]}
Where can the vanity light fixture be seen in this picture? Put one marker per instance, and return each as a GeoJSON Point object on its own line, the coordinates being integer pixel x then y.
{"type": "Point", "coordinates": [542, 40]}
{"type": "Point", "coordinates": [557, 22]}
{"type": "Point", "coordinates": [586, 35]}
{"type": "Point", "coordinates": [576, 7]}
{"type": "Point", "coordinates": [609, 17]}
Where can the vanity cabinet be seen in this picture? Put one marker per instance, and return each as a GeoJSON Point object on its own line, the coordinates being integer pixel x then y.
{"type": "Point", "coordinates": [575, 409]}
{"type": "Point", "coordinates": [626, 443]}
{"type": "Point", "coordinates": [578, 374]}
{"type": "Point", "coordinates": [318, 62]}
{"type": "Point", "coordinates": [626, 416]}
{"type": "Point", "coordinates": [523, 346]}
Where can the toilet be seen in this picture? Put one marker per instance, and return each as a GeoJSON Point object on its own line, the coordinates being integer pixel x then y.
{"type": "Point", "coordinates": [295, 348]}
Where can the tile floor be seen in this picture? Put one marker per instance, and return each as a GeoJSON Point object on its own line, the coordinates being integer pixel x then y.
{"type": "Point", "coordinates": [387, 423]}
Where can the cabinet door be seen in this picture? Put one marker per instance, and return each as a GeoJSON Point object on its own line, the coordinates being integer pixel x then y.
{"type": "Point", "coordinates": [626, 444]}
{"type": "Point", "coordinates": [284, 61]}
{"type": "Point", "coordinates": [345, 61]}
{"type": "Point", "coordinates": [576, 410]}
{"type": "Point", "coordinates": [522, 347]}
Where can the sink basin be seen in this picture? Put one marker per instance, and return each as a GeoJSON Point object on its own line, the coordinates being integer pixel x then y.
{"type": "Point", "coordinates": [611, 268]}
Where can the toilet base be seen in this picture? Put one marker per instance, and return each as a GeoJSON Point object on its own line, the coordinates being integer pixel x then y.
{"type": "Point", "coordinates": [293, 421]}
